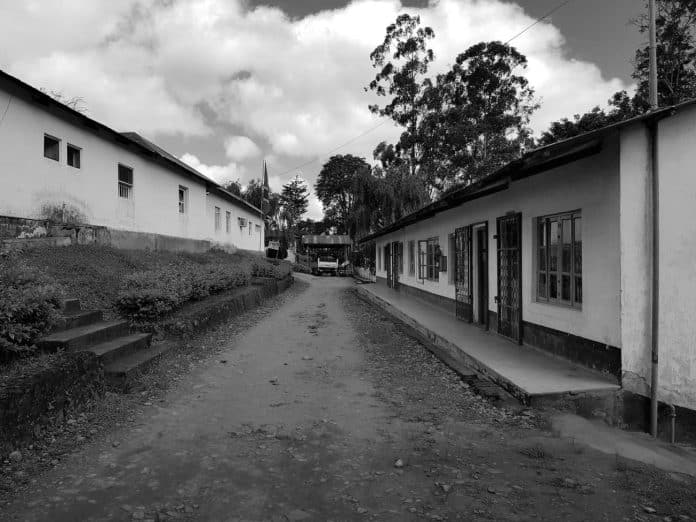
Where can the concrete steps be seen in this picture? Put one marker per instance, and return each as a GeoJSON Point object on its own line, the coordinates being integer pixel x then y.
{"type": "Point", "coordinates": [123, 354]}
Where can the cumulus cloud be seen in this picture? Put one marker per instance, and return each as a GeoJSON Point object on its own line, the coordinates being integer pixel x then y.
{"type": "Point", "coordinates": [296, 85]}
{"type": "Point", "coordinates": [220, 173]}
{"type": "Point", "coordinates": [241, 148]}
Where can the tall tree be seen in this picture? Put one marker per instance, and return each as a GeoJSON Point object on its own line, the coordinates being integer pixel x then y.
{"type": "Point", "coordinates": [334, 187]}
{"type": "Point", "coordinates": [676, 71]}
{"type": "Point", "coordinates": [676, 54]}
{"type": "Point", "coordinates": [478, 115]}
{"type": "Point", "coordinates": [402, 60]}
{"type": "Point", "coordinates": [235, 187]}
{"type": "Point", "coordinates": [295, 199]}
{"type": "Point", "coordinates": [253, 193]}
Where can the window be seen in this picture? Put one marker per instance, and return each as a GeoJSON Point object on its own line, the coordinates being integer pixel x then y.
{"type": "Point", "coordinates": [250, 228]}
{"type": "Point", "coordinates": [379, 259]}
{"type": "Point", "coordinates": [217, 218]}
{"type": "Point", "coordinates": [74, 156]}
{"type": "Point", "coordinates": [183, 198]}
{"type": "Point", "coordinates": [429, 259]}
{"type": "Point", "coordinates": [125, 181]}
{"type": "Point", "coordinates": [559, 259]}
{"type": "Point", "coordinates": [400, 252]}
{"type": "Point", "coordinates": [451, 246]}
{"type": "Point", "coordinates": [51, 147]}
{"type": "Point", "coordinates": [412, 258]}
{"type": "Point", "coordinates": [228, 221]}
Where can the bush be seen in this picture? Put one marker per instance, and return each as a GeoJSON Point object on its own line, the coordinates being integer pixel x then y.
{"type": "Point", "coordinates": [28, 309]}
{"type": "Point", "coordinates": [154, 293]}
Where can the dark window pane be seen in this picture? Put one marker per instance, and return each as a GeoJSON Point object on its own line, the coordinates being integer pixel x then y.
{"type": "Point", "coordinates": [565, 265]}
{"type": "Point", "coordinates": [565, 288]}
{"type": "Point", "coordinates": [578, 289]}
{"type": "Point", "coordinates": [51, 148]}
{"type": "Point", "coordinates": [553, 258]}
{"type": "Point", "coordinates": [125, 175]}
{"type": "Point", "coordinates": [73, 156]}
{"type": "Point", "coordinates": [567, 232]}
{"type": "Point", "coordinates": [578, 257]}
{"type": "Point", "coordinates": [578, 228]}
{"type": "Point", "coordinates": [542, 259]}
{"type": "Point", "coordinates": [553, 286]}
{"type": "Point", "coordinates": [542, 285]}
{"type": "Point", "coordinates": [542, 233]}
{"type": "Point", "coordinates": [555, 233]}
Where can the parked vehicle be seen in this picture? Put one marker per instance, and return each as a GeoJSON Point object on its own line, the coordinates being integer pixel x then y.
{"type": "Point", "coordinates": [325, 264]}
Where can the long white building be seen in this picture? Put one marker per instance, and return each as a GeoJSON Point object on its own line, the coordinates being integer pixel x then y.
{"type": "Point", "coordinates": [55, 161]}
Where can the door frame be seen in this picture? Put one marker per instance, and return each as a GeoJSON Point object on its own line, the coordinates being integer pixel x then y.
{"type": "Point", "coordinates": [475, 227]}
{"type": "Point", "coordinates": [464, 301]}
{"type": "Point", "coordinates": [396, 249]}
{"type": "Point", "coordinates": [517, 337]}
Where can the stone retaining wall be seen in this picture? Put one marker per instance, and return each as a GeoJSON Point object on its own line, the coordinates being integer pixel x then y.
{"type": "Point", "coordinates": [46, 389]}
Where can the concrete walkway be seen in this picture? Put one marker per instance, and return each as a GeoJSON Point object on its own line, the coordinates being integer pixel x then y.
{"type": "Point", "coordinates": [525, 372]}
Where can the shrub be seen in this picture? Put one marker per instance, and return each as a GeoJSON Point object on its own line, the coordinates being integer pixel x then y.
{"type": "Point", "coordinates": [28, 309]}
{"type": "Point", "coordinates": [154, 293]}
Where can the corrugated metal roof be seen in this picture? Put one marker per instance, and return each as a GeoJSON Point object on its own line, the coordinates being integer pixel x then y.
{"type": "Point", "coordinates": [129, 140]}
{"type": "Point", "coordinates": [326, 240]}
{"type": "Point", "coordinates": [531, 163]}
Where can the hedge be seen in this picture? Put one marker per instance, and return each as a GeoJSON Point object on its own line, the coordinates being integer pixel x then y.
{"type": "Point", "coordinates": [28, 308]}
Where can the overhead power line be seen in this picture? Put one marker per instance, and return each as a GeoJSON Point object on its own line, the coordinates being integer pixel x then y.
{"type": "Point", "coordinates": [562, 4]}
{"type": "Point", "coordinates": [537, 21]}
{"type": "Point", "coordinates": [335, 148]}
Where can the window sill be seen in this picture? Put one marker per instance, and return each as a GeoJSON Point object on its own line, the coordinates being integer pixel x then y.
{"type": "Point", "coordinates": [577, 308]}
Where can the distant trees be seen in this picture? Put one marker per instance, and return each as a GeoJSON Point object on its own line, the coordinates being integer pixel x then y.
{"type": "Point", "coordinates": [334, 187]}
{"type": "Point", "coordinates": [294, 199]}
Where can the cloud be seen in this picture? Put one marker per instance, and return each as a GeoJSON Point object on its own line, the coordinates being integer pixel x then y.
{"type": "Point", "coordinates": [220, 173]}
{"type": "Point", "coordinates": [295, 85]}
{"type": "Point", "coordinates": [241, 148]}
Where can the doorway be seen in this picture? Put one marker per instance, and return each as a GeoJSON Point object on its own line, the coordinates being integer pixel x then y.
{"type": "Point", "coordinates": [480, 276]}
{"type": "Point", "coordinates": [509, 298]}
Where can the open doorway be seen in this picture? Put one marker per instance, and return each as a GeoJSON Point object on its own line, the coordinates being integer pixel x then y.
{"type": "Point", "coordinates": [479, 263]}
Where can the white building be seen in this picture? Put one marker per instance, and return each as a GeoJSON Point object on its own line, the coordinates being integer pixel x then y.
{"type": "Point", "coordinates": [56, 161]}
{"type": "Point", "coordinates": [555, 250]}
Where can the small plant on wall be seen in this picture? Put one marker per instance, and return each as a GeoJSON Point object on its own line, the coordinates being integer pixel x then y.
{"type": "Point", "coordinates": [62, 213]}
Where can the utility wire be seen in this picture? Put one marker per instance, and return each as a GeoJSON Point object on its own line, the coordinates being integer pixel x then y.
{"type": "Point", "coordinates": [562, 4]}
{"type": "Point", "coordinates": [539, 20]}
{"type": "Point", "coordinates": [334, 149]}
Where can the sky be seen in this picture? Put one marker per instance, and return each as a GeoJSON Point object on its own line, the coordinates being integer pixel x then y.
{"type": "Point", "coordinates": [227, 84]}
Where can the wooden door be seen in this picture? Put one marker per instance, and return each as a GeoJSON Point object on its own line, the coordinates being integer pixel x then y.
{"type": "Point", "coordinates": [388, 263]}
{"type": "Point", "coordinates": [396, 253]}
{"type": "Point", "coordinates": [509, 296]}
{"type": "Point", "coordinates": [482, 259]}
{"type": "Point", "coordinates": [462, 274]}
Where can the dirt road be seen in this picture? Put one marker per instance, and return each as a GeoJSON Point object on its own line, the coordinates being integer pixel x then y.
{"type": "Point", "coordinates": [327, 410]}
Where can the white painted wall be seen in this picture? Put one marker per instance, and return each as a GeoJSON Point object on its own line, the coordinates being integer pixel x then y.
{"type": "Point", "coordinates": [28, 181]}
{"type": "Point", "coordinates": [635, 259]}
{"type": "Point", "coordinates": [677, 275]}
{"type": "Point", "coordinates": [591, 185]}
{"type": "Point", "coordinates": [249, 237]}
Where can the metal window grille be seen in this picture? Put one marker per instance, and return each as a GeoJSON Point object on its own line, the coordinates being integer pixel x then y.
{"type": "Point", "coordinates": [125, 182]}
{"type": "Point", "coordinates": [217, 218]}
{"type": "Point", "coordinates": [182, 199]}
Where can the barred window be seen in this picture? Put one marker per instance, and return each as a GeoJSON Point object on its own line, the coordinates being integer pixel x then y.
{"type": "Point", "coordinates": [559, 259]}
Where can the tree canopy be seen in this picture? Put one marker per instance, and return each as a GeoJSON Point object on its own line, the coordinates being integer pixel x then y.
{"type": "Point", "coordinates": [295, 199]}
{"type": "Point", "coordinates": [676, 72]}
{"type": "Point", "coordinates": [334, 187]}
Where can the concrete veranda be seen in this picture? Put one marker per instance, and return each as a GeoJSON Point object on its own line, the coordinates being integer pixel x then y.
{"type": "Point", "coordinates": [526, 372]}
